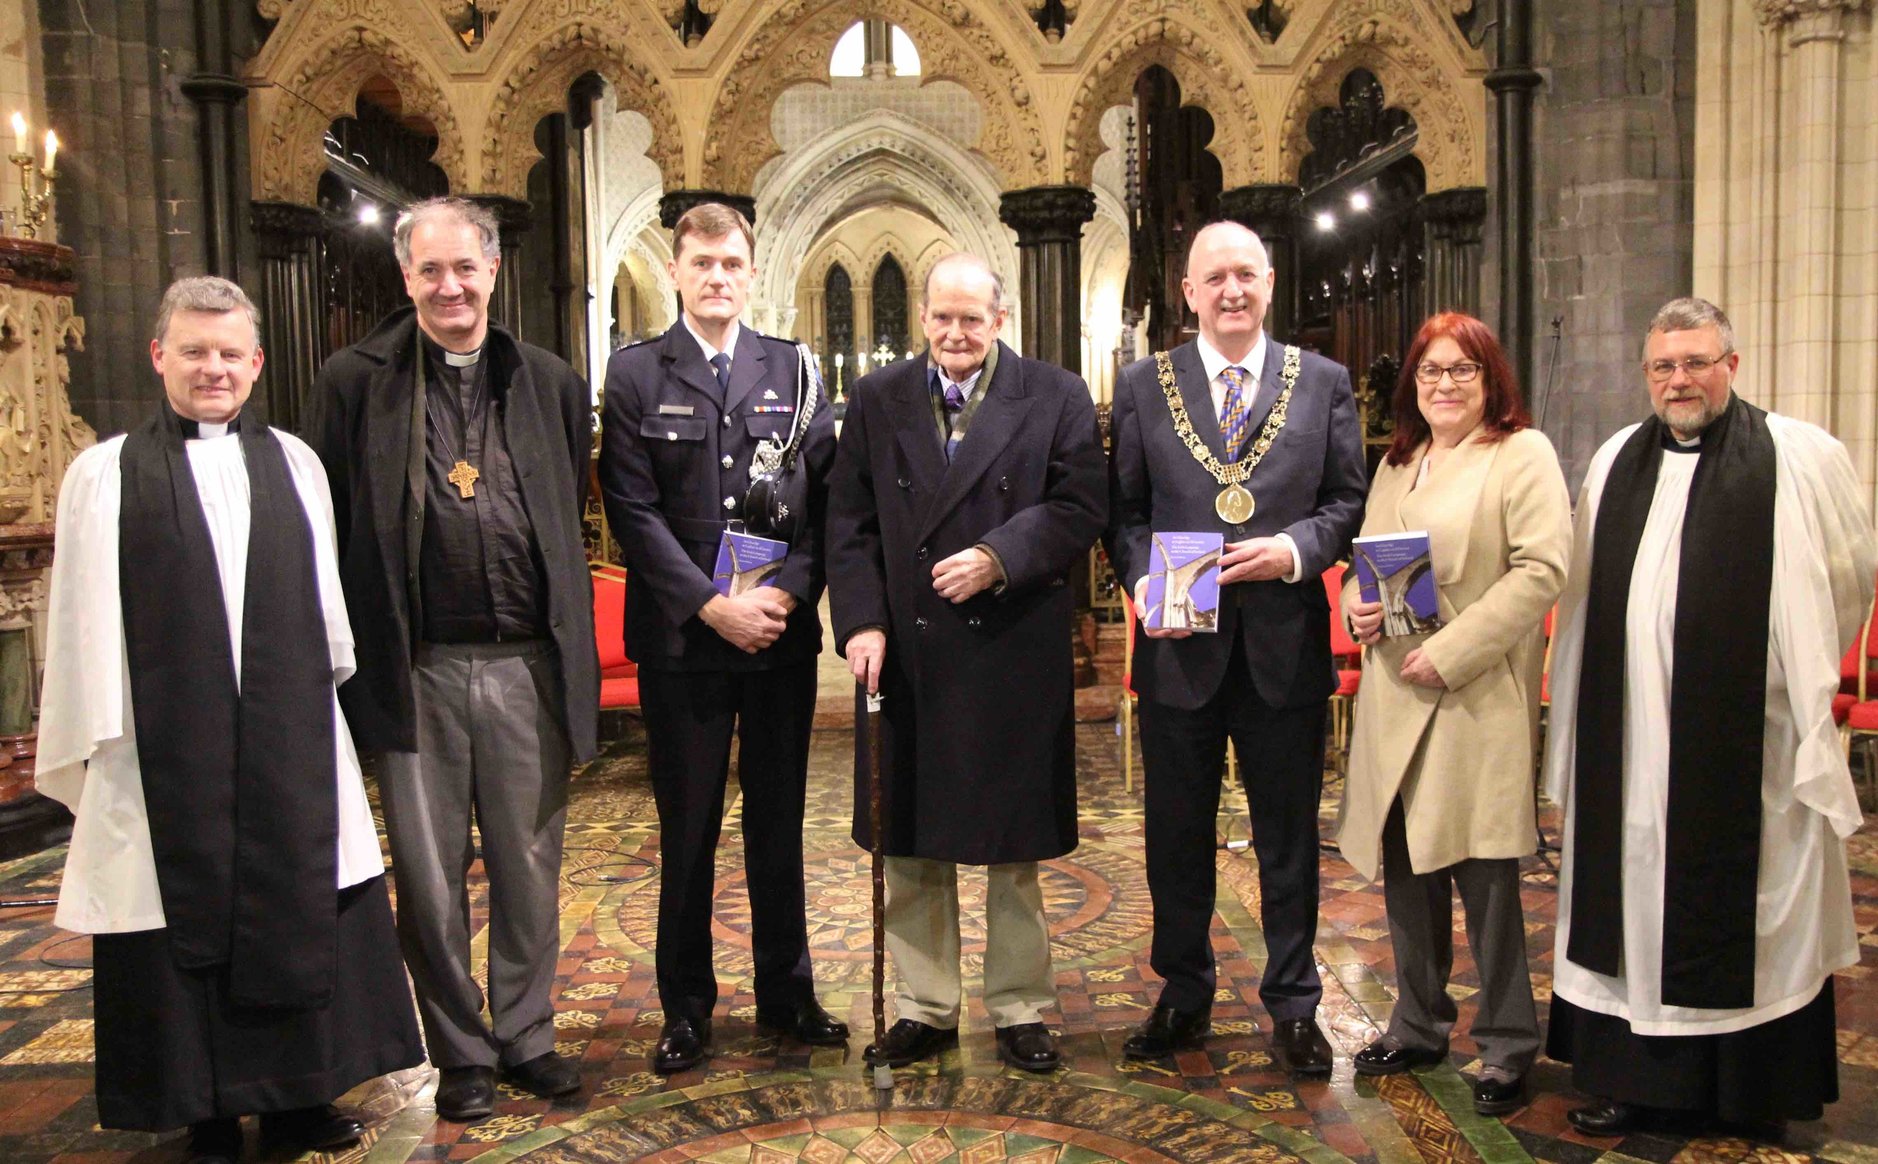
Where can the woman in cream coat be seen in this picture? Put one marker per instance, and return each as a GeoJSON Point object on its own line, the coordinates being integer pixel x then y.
{"type": "Point", "coordinates": [1440, 785]}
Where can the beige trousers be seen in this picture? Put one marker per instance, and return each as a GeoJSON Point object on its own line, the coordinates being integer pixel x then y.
{"type": "Point", "coordinates": [923, 937]}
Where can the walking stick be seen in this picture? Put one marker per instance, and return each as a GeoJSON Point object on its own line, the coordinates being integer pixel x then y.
{"type": "Point", "coordinates": [883, 1074]}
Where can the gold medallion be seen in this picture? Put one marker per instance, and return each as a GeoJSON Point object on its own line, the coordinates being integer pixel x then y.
{"type": "Point", "coordinates": [1234, 504]}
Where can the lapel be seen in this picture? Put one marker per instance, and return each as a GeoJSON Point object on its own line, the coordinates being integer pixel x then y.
{"type": "Point", "coordinates": [1196, 392]}
{"type": "Point", "coordinates": [911, 403]}
{"type": "Point", "coordinates": [391, 404]}
{"type": "Point", "coordinates": [1445, 504]}
{"type": "Point", "coordinates": [528, 443]}
{"type": "Point", "coordinates": [682, 358]}
{"type": "Point", "coordinates": [747, 368]}
{"type": "Point", "coordinates": [1270, 383]}
{"type": "Point", "coordinates": [994, 423]}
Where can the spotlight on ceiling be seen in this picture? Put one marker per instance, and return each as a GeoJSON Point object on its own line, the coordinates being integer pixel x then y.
{"type": "Point", "coordinates": [1326, 220]}
{"type": "Point", "coordinates": [368, 213]}
{"type": "Point", "coordinates": [1359, 200]}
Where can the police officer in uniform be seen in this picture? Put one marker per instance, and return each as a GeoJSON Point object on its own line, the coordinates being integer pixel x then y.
{"type": "Point", "coordinates": [683, 417]}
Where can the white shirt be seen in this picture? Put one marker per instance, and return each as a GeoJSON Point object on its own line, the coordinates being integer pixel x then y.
{"type": "Point", "coordinates": [1823, 563]}
{"type": "Point", "coordinates": [87, 731]}
{"type": "Point", "coordinates": [710, 353]}
{"type": "Point", "coordinates": [966, 386]}
{"type": "Point", "coordinates": [1252, 365]}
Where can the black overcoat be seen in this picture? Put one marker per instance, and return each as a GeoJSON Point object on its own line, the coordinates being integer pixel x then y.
{"type": "Point", "coordinates": [362, 432]}
{"type": "Point", "coordinates": [979, 703]}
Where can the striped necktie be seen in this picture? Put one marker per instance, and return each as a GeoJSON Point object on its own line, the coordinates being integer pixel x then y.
{"type": "Point", "coordinates": [1234, 414]}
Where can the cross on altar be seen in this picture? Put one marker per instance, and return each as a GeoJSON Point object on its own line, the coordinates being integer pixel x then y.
{"type": "Point", "coordinates": [464, 476]}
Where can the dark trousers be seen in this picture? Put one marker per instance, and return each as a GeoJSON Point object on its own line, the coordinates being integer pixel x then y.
{"type": "Point", "coordinates": [690, 717]}
{"type": "Point", "coordinates": [1281, 763]}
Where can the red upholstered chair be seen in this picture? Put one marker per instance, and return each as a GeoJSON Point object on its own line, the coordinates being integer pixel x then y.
{"type": "Point", "coordinates": [619, 675]}
{"type": "Point", "coordinates": [1349, 658]}
{"type": "Point", "coordinates": [1858, 721]}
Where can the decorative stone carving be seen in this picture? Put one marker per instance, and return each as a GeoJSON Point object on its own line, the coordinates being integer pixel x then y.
{"type": "Point", "coordinates": [673, 205]}
{"type": "Point", "coordinates": [1207, 80]}
{"type": "Point", "coordinates": [1371, 34]}
{"type": "Point", "coordinates": [1774, 13]}
{"type": "Point", "coordinates": [794, 44]}
{"type": "Point", "coordinates": [325, 81]}
{"type": "Point", "coordinates": [538, 84]}
{"type": "Point", "coordinates": [39, 434]}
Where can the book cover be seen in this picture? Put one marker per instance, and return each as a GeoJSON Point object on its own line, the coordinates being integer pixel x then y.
{"type": "Point", "coordinates": [1397, 571]}
{"type": "Point", "coordinates": [745, 561]}
{"type": "Point", "coordinates": [1183, 581]}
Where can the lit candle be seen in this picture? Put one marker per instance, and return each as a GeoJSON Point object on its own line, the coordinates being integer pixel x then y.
{"type": "Point", "coordinates": [52, 149]}
{"type": "Point", "coordinates": [19, 132]}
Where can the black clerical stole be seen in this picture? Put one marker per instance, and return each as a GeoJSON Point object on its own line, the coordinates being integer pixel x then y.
{"type": "Point", "coordinates": [239, 780]}
{"type": "Point", "coordinates": [1717, 714]}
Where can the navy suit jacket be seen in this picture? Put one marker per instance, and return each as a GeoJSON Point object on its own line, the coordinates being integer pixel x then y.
{"type": "Point", "coordinates": [1310, 486]}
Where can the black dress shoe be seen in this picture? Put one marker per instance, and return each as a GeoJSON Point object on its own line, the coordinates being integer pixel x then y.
{"type": "Point", "coordinates": [1496, 1096]}
{"type": "Point", "coordinates": [214, 1142]}
{"type": "Point", "coordinates": [1301, 1046]}
{"type": "Point", "coordinates": [547, 1075]}
{"type": "Point", "coordinates": [909, 1041]}
{"type": "Point", "coordinates": [1606, 1117]}
{"type": "Point", "coordinates": [311, 1129]}
{"type": "Point", "coordinates": [683, 1044]}
{"type": "Point", "coordinates": [806, 1022]}
{"type": "Point", "coordinates": [466, 1093]}
{"type": "Point", "coordinates": [1029, 1046]}
{"type": "Point", "coordinates": [1168, 1030]}
{"type": "Point", "coordinates": [1385, 1056]}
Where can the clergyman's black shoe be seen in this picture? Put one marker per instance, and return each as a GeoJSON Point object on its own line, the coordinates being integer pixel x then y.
{"type": "Point", "coordinates": [547, 1075]}
{"type": "Point", "coordinates": [466, 1093]}
{"type": "Point", "coordinates": [806, 1022]}
{"type": "Point", "coordinates": [1386, 1056]}
{"type": "Point", "coordinates": [1029, 1046]}
{"type": "Point", "coordinates": [683, 1044]}
{"type": "Point", "coordinates": [1168, 1030]}
{"type": "Point", "coordinates": [215, 1141]}
{"type": "Point", "coordinates": [1496, 1092]}
{"type": "Point", "coordinates": [909, 1041]}
{"type": "Point", "coordinates": [1605, 1117]}
{"type": "Point", "coordinates": [311, 1129]}
{"type": "Point", "coordinates": [1301, 1046]}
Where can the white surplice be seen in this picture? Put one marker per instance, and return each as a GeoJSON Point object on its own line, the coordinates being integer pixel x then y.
{"type": "Point", "coordinates": [87, 731]}
{"type": "Point", "coordinates": [1822, 588]}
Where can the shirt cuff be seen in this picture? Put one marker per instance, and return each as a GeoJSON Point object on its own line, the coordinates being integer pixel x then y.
{"type": "Point", "coordinates": [1296, 573]}
{"type": "Point", "coordinates": [1004, 576]}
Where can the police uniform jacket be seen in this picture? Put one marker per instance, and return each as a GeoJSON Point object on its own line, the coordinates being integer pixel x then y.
{"type": "Point", "coordinates": [675, 456]}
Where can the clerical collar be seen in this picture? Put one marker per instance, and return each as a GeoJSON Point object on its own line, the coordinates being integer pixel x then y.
{"type": "Point", "coordinates": [1675, 444]}
{"type": "Point", "coordinates": [453, 359]}
{"type": "Point", "coordinates": [194, 430]}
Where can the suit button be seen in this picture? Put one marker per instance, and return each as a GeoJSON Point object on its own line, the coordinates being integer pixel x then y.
{"type": "Point", "coordinates": [728, 462]}
{"type": "Point", "coordinates": [919, 624]}
{"type": "Point", "coordinates": [905, 483]}
{"type": "Point", "coordinates": [730, 503]}
{"type": "Point", "coordinates": [727, 422]}
{"type": "Point", "coordinates": [922, 554]}
{"type": "Point", "coordinates": [1004, 484]}
{"type": "Point", "coordinates": [974, 622]}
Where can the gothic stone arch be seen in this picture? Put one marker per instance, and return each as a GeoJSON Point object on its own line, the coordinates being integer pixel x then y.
{"type": "Point", "coordinates": [793, 47]}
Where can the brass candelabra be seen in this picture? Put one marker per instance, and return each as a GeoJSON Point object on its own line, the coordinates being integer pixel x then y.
{"type": "Point", "coordinates": [34, 207]}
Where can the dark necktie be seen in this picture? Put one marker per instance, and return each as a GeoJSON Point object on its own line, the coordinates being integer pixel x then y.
{"type": "Point", "coordinates": [954, 404]}
{"type": "Point", "coordinates": [722, 363]}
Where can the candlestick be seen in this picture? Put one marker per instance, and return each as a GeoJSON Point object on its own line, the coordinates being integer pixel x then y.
{"type": "Point", "coordinates": [52, 151]}
{"type": "Point", "coordinates": [19, 132]}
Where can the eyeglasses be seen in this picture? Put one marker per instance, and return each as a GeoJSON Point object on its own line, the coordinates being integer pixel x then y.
{"type": "Point", "coordinates": [1463, 372]}
{"type": "Point", "coordinates": [1661, 370]}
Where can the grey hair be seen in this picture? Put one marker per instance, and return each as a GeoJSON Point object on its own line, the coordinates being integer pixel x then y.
{"type": "Point", "coordinates": [1691, 314]}
{"type": "Point", "coordinates": [207, 293]}
{"type": "Point", "coordinates": [967, 259]}
{"type": "Point", "coordinates": [446, 209]}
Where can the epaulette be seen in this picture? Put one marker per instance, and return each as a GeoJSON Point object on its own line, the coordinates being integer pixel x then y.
{"type": "Point", "coordinates": [639, 343]}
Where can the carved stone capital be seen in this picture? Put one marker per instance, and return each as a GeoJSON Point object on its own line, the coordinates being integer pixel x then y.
{"type": "Point", "coordinates": [1047, 214]}
{"type": "Point", "coordinates": [1456, 215]}
{"type": "Point", "coordinates": [513, 216]}
{"type": "Point", "coordinates": [674, 204]}
{"type": "Point", "coordinates": [282, 229]}
{"type": "Point", "coordinates": [1775, 13]}
{"type": "Point", "coordinates": [1270, 211]}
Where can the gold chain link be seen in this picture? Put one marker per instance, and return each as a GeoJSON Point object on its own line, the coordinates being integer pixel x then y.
{"type": "Point", "coordinates": [1241, 469]}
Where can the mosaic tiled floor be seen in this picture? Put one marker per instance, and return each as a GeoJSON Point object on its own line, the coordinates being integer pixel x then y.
{"type": "Point", "coordinates": [766, 1102]}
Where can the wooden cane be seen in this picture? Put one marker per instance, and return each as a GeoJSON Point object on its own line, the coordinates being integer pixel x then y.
{"type": "Point", "coordinates": [883, 1074]}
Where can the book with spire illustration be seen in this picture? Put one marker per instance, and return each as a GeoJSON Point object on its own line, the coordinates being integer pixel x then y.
{"type": "Point", "coordinates": [745, 561]}
{"type": "Point", "coordinates": [1397, 571]}
{"type": "Point", "coordinates": [1183, 582]}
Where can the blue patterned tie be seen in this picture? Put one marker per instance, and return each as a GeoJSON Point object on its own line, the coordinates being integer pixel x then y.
{"type": "Point", "coordinates": [954, 403]}
{"type": "Point", "coordinates": [1234, 415]}
{"type": "Point", "coordinates": [722, 363]}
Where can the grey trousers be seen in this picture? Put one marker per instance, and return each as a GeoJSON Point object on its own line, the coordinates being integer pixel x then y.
{"type": "Point", "coordinates": [923, 937]}
{"type": "Point", "coordinates": [1421, 927]}
{"type": "Point", "coordinates": [490, 742]}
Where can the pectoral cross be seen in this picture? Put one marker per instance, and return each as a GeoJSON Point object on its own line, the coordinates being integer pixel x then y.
{"type": "Point", "coordinates": [464, 476]}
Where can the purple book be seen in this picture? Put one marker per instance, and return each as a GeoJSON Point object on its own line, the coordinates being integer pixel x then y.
{"type": "Point", "coordinates": [1397, 570]}
{"type": "Point", "coordinates": [1183, 581]}
{"type": "Point", "coordinates": [745, 561]}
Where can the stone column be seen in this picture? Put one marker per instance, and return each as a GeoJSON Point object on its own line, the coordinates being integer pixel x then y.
{"type": "Point", "coordinates": [288, 238]}
{"type": "Point", "coordinates": [1512, 81]}
{"type": "Point", "coordinates": [1049, 221]}
{"type": "Point", "coordinates": [513, 218]}
{"type": "Point", "coordinates": [1452, 223]}
{"type": "Point", "coordinates": [215, 92]}
{"type": "Point", "coordinates": [675, 202]}
{"type": "Point", "coordinates": [1272, 212]}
